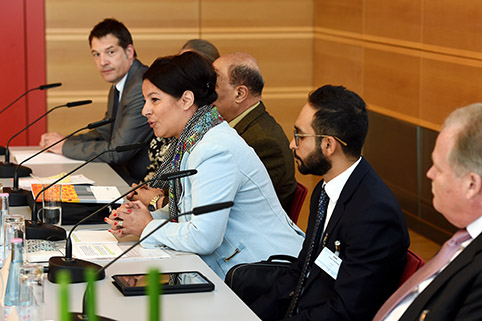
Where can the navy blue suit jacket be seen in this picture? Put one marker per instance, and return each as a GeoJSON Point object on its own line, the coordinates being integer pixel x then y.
{"type": "Point", "coordinates": [368, 222]}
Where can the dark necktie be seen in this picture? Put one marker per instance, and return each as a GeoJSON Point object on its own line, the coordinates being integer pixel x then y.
{"type": "Point", "coordinates": [116, 102]}
{"type": "Point", "coordinates": [114, 109]}
{"type": "Point", "coordinates": [314, 242]}
{"type": "Point", "coordinates": [433, 266]}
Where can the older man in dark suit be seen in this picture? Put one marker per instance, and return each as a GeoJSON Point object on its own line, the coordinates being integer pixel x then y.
{"type": "Point", "coordinates": [239, 87]}
{"type": "Point", "coordinates": [356, 242]}
{"type": "Point", "coordinates": [115, 57]}
{"type": "Point", "coordinates": [449, 286]}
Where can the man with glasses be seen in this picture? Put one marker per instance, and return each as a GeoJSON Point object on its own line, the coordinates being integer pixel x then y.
{"type": "Point", "coordinates": [356, 242]}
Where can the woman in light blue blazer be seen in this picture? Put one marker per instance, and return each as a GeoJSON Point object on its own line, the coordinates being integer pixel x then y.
{"type": "Point", "coordinates": [179, 91]}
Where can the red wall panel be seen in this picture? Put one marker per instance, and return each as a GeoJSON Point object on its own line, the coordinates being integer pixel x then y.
{"type": "Point", "coordinates": [22, 62]}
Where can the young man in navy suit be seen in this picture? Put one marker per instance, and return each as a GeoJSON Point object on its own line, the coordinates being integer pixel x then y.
{"type": "Point", "coordinates": [355, 258]}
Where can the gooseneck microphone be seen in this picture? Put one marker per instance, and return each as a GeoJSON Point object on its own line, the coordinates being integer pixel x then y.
{"type": "Point", "coordinates": [43, 87]}
{"type": "Point", "coordinates": [196, 211]}
{"type": "Point", "coordinates": [35, 229]}
{"type": "Point", "coordinates": [8, 169]}
{"type": "Point", "coordinates": [18, 197]}
{"type": "Point", "coordinates": [77, 267]}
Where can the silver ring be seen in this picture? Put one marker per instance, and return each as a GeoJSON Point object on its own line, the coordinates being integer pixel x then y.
{"type": "Point", "coordinates": [120, 223]}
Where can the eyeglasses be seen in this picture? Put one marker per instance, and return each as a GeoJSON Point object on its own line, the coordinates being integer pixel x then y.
{"type": "Point", "coordinates": [297, 138]}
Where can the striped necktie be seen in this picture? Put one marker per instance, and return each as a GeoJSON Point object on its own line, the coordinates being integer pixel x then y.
{"type": "Point", "coordinates": [315, 240]}
{"type": "Point", "coordinates": [433, 266]}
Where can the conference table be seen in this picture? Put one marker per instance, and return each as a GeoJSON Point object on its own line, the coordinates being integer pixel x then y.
{"type": "Point", "coordinates": [220, 304]}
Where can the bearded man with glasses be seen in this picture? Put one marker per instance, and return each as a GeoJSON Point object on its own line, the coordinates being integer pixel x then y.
{"type": "Point", "coordinates": [357, 240]}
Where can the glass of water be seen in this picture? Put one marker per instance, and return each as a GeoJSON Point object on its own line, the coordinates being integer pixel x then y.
{"type": "Point", "coordinates": [51, 211]}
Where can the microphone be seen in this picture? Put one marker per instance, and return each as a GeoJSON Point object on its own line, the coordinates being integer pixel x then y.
{"type": "Point", "coordinates": [36, 229]}
{"type": "Point", "coordinates": [77, 267]}
{"type": "Point", "coordinates": [18, 197]}
{"type": "Point", "coordinates": [78, 103]}
{"type": "Point", "coordinates": [43, 87]}
{"type": "Point", "coordinates": [101, 272]}
{"type": "Point", "coordinates": [7, 169]}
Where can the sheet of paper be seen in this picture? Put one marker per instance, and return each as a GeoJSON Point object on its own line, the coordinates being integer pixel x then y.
{"type": "Point", "coordinates": [105, 194]}
{"type": "Point", "coordinates": [100, 237]}
{"type": "Point", "coordinates": [110, 251]}
{"type": "Point", "coordinates": [142, 253]}
{"type": "Point", "coordinates": [92, 251]}
{"type": "Point", "coordinates": [43, 158]}
{"type": "Point", "coordinates": [26, 182]}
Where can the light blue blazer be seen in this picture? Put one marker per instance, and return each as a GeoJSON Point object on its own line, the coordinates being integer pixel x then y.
{"type": "Point", "coordinates": [252, 230]}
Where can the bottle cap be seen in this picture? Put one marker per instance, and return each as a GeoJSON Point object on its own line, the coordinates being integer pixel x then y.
{"type": "Point", "coordinates": [17, 240]}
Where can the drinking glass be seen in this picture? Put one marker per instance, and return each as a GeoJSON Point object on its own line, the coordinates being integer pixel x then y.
{"type": "Point", "coordinates": [51, 211]}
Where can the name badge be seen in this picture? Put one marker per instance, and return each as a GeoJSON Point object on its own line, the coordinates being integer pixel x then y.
{"type": "Point", "coordinates": [329, 262]}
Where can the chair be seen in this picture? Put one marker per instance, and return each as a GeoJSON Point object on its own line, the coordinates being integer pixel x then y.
{"type": "Point", "coordinates": [414, 262]}
{"type": "Point", "coordinates": [297, 202]}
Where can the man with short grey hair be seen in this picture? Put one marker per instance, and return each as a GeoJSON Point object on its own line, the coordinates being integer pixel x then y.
{"type": "Point", "coordinates": [449, 286]}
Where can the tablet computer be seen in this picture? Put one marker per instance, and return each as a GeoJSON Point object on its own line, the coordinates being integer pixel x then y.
{"type": "Point", "coordinates": [171, 282]}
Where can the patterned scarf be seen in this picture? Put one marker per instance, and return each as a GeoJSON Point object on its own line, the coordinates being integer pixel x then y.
{"type": "Point", "coordinates": [201, 122]}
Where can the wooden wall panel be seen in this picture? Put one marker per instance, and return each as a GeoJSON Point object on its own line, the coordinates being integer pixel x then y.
{"type": "Point", "coordinates": [400, 19]}
{"type": "Point", "coordinates": [446, 86]}
{"type": "Point", "coordinates": [85, 14]}
{"type": "Point", "coordinates": [256, 15]}
{"type": "Point", "coordinates": [341, 15]}
{"type": "Point", "coordinates": [392, 81]}
{"type": "Point", "coordinates": [67, 120]}
{"type": "Point", "coordinates": [81, 75]}
{"type": "Point", "coordinates": [453, 23]}
{"type": "Point", "coordinates": [338, 64]}
{"type": "Point", "coordinates": [274, 57]}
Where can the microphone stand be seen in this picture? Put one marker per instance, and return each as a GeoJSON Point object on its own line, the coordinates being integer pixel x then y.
{"type": "Point", "coordinates": [8, 169]}
{"type": "Point", "coordinates": [43, 87]}
{"type": "Point", "coordinates": [17, 196]}
{"type": "Point", "coordinates": [77, 267]}
{"type": "Point", "coordinates": [196, 211]}
{"type": "Point", "coordinates": [35, 229]}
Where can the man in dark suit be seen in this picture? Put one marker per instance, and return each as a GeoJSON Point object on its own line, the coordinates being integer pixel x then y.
{"type": "Point", "coordinates": [356, 242]}
{"type": "Point", "coordinates": [115, 57]}
{"type": "Point", "coordinates": [239, 87]}
{"type": "Point", "coordinates": [452, 288]}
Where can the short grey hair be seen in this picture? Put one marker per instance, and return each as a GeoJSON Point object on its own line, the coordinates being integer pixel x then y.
{"type": "Point", "coordinates": [466, 153]}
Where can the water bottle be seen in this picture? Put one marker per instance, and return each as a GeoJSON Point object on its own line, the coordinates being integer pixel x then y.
{"type": "Point", "coordinates": [13, 284]}
{"type": "Point", "coordinates": [4, 211]}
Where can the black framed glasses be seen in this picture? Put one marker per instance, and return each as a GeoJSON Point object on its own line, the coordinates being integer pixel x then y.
{"type": "Point", "coordinates": [297, 137]}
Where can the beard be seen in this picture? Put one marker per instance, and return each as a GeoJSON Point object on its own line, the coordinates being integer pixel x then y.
{"type": "Point", "coordinates": [315, 163]}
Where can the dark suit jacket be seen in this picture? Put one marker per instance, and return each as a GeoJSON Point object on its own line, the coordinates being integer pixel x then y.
{"type": "Point", "coordinates": [267, 138]}
{"type": "Point", "coordinates": [374, 240]}
{"type": "Point", "coordinates": [129, 127]}
{"type": "Point", "coordinates": [456, 293]}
